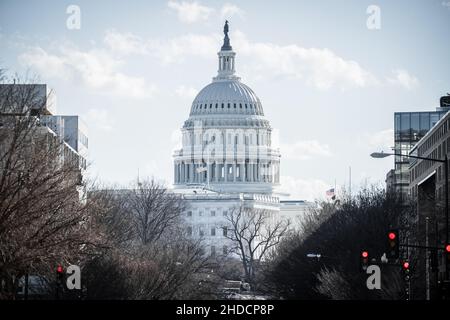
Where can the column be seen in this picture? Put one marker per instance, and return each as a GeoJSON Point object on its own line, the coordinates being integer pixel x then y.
{"type": "Point", "coordinates": [225, 171]}
{"type": "Point", "coordinates": [191, 172]}
{"type": "Point", "coordinates": [176, 173]}
{"type": "Point", "coordinates": [209, 172]}
{"type": "Point", "coordinates": [258, 171]}
{"type": "Point", "coordinates": [234, 171]}
{"type": "Point", "coordinates": [216, 176]}
{"type": "Point", "coordinates": [244, 171]}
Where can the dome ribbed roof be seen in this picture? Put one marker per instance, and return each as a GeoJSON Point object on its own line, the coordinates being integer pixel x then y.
{"type": "Point", "coordinates": [226, 97]}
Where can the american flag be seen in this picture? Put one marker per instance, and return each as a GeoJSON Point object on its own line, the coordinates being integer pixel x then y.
{"type": "Point", "coordinates": [330, 193]}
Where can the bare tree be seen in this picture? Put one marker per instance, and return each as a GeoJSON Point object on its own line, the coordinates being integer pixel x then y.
{"type": "Point", "coordinates": [154, 210]}
{"type": "Point", "coordinates": [253, 233]}
{"type": "Point", "coordinates": [148, 254]}
{"type": "Point", "coordinates": [43, 218]}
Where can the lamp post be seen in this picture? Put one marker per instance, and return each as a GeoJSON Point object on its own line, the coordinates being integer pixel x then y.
{"type": "Point", "coordinates": [445, 162]}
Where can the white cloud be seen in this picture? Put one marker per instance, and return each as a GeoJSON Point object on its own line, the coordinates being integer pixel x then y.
{"type": "Point", "coordinates": [125, 43]}
{"type": "Point", "coordinates": [229, 10]}
{"type": "Point", "coordinates": [176, 49]}
{"type": "Point", "coordinates": [379, 141]}
{"type": "Point", "coordinates": [303, 189]}
{"type": "Point", "coordinates": [190, 12]}
{"type": "Point", "coordinates": [402, 78]}
{"type": "Point", "coordinates": [319, 67]}
{"type": "Point", "coordinates": [99, 118]}
{"type": "Point", "coordinates": [303, 150]}
{"type": "Point", "coordinates": [186, 92]}
{"type": "Point", "coordinates": [95, 68]}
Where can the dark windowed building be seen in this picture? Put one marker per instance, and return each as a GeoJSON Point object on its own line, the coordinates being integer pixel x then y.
{"type": "Point", "coordinates": [409, 128]}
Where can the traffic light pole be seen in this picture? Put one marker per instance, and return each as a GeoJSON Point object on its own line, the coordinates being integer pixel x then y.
{"type": "Point", "coordinates": [445, 162]}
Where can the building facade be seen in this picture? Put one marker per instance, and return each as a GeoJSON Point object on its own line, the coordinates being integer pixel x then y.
{"type": "Point", "coordinates": [38, 102]}
{"type": "Point", "coordinates": [73, 131]}
{"type": "Point", "coordinates": [409, 128]}
{"type": "Point", "coordinates": [227, 159]}
{"type": "Point", "coordinates": [428, 222]}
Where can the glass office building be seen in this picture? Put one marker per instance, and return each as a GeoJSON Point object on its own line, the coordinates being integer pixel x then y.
{"type": "Point", "coordinates": [409, 128]}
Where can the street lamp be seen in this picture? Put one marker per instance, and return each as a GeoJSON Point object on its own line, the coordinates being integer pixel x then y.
{"type": "Point", "coordinates": [379, 155]}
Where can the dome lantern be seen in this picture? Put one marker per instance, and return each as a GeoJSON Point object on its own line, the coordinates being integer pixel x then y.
{"type": "Point", "coordinates": [226, 59]}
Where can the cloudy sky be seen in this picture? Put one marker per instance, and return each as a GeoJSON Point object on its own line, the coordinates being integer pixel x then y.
{"type": "Point", "coordinates": [329, 74]}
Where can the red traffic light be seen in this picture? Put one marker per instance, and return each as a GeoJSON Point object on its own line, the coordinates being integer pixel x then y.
{"type": "Point", "coordinates": [364, 254]}
{"type": "Point", "coordinates": [59, 269]}
{"type": "Point", "coordinates": [447, 248]}
{"type": "Point", "coordinates": [392, 235]}
{"type": "Point", "coordinates": [406, 265]}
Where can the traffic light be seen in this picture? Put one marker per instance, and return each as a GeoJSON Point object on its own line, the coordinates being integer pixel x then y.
{"type": "Point", "coordinates": [393, 244]}
{"type": "Point", "coordinates": [59, 273]}
{"type": "Point", "coordinates": [364, 260]}
{"type": "Point", "coordinates": [405, 268]}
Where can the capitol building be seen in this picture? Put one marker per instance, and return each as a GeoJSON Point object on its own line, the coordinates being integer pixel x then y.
{"type": "Point", "coordinates": [227, 160]}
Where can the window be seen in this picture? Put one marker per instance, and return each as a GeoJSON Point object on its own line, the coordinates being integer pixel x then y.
{"type": "Point", "coordinates": [213, 251]}
{"type": "Point", "coordinates": [213, 231]}
{"type": "Point", "coordinates": [201, 232]}
{"type": "Point", "coordinates": [415, 126]}
{"type": "Point", "coordinates": [225, 250]}
{"type": "Point", "coordinates": [228, 106]}
{"type": "Point", "coordinates": [200, 213]}
{"type": "Point", "coordinates": [225, 231]}
{"type": "Point", "coordinates": [189, 214]}
{"type": "Point", "coordinates": [189, 231]}
{"type": "Point", "coordinates": [213, 213]}
{"type": "Point", "coordinates": [225, 213]}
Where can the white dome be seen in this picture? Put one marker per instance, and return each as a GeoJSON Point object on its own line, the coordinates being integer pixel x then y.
{"type": "Point", "coordinates": [226, 97]}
